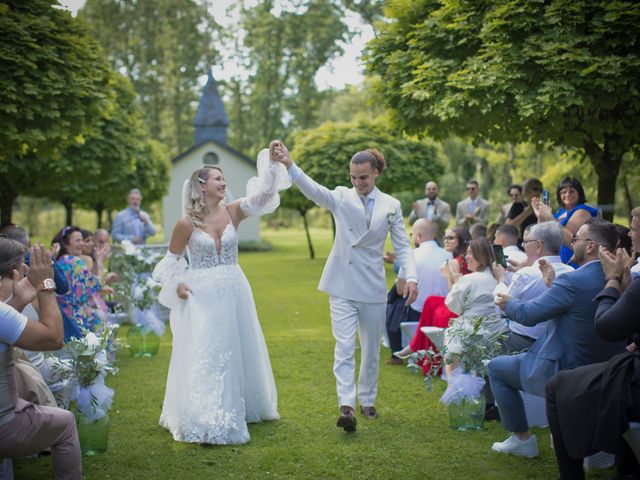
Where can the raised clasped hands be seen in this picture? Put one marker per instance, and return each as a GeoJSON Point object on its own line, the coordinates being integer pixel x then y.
{"type": "Point", "coordinates": [278, 152]}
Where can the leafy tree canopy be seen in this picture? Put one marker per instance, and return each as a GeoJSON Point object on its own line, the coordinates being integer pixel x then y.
{"type": "Point", "coordinates": [565, 73]}
{"type": "Point", "coordinates": [54, 81]}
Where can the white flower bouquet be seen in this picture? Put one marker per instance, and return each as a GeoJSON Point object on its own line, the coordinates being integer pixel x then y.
{"type": "Point", "coordinates": [84, 363]}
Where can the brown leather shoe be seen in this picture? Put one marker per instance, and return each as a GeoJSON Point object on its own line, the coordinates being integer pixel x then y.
{"type": "Point", "coordinates": [369, 412]}
{"type": "Point", "coordinates": [394, 361]}
{"type": "Point", "coordinates": [347, 419]}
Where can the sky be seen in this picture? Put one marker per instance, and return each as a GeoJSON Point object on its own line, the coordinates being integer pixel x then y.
{"type": "Point", "coordinates": [343, 70]}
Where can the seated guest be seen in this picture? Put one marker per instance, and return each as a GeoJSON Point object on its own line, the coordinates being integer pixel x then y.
{"type": "Point", "coordinates": [431, 208]}
{"type": "Point", "coordinates": [25, 428]}
{"type": "Point", "coordinates": [515, 196]}
{"type": "Point", "coordinates": [507, 238]}
{"type": "Point", "coordinates": [101, 238]}
{"type": "Point", "coordinates": [624, 240]}
{"type": "Point", "coordinates": [472, 296]}
{"type": "Point", "coordinates": [590, 407]}
{"type": "Point", "coordinates": [542, 246]}
{"type": "Point", "coordinates": [478, 230]}
{"type": "Point", "coordinates": [77, 304]}
{"type": "Point", "coordinates": [429, 257]}
{"type": "Point", "coordinates": [20, 235]}
{"type": "Point", "coordinates": [491, 232]}
{"type": "Point", "coordinates": [572, 213]}
{"type": "Point", "coordinates": [521, 214]}
{"type": "Point", "coordinates": [30, 367]}
{"type": "Point", "coordinates": [570, 339]}
{"type": "Point", "coordinates": [435, 312]}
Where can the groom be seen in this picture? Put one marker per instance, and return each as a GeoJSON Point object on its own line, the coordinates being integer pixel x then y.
{"type": "Point", "coordinates": [354, 274]}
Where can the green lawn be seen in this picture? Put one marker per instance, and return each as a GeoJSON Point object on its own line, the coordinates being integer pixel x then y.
{"type": "Point", "coordinates": [411, 439]}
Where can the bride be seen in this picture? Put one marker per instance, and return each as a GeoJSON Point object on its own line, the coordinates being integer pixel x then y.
{"type": "Point", "coordinates": [220, 376]}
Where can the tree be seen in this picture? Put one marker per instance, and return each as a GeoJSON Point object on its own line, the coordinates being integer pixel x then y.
{"type": "Point", "coordinates": [113, 159]}
{"type": "Point", "coordinates": [283, 54]}
{"type": "Point", "coordinates": [163, 47]}
{"type": "Point", "coordinates": [324, 154]}
{"type": "Point", "coordinates": [53, 87]}
{"type": "Point", "coordinates": [564, 73]}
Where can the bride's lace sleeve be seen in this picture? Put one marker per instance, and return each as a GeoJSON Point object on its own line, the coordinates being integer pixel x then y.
{"type": "Point", "coordinates": [262, 191]}
{"type": "Point", "coordinates": [169, 272]}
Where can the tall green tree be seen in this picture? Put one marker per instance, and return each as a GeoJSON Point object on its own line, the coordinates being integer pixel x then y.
{"type": "Point", "coordinates": [557, 72]}
{"type": "Point", "coordinates": [163, 47]}
{"type": "Point", "coordinates": [283, 53]}
{"type": "Point", "coordinates": [324, 154]}
{"type": "Point", "coordinates": [53, 87]}
{"type": "Point", "coordinates": [116, 157]}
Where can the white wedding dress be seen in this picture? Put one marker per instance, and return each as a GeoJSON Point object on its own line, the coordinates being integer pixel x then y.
{"type": "Point", "coordinates": [220, 375]}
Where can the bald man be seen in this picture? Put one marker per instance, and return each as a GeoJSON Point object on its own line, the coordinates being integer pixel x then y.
{"type": "Point", "coordinates": [432, 208]}
{"type": "Point", "coordinates": [429, 257]}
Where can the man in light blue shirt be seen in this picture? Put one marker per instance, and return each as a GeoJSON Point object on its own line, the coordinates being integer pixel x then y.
{"type": "Point", "coordinates": [132, 223]}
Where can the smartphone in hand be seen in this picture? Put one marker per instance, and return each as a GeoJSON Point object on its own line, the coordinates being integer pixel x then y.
{"type": "Point", "coordinates": [501, 259]}
{"type": "Point", "coordinates": [545, 197]}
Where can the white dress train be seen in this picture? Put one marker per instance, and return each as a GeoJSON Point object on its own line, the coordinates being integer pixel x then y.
{"type": "Point", "coordinates": [220, 376]}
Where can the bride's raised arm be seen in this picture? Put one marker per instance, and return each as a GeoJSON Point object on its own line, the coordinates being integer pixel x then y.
{"type": "Point", "coordinates": [262, 191]}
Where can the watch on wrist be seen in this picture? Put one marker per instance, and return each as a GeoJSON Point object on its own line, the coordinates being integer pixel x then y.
{"type": "Point", "coordinates": [47, 285]}
{"type": "Point", "coordinates": [614, 278]}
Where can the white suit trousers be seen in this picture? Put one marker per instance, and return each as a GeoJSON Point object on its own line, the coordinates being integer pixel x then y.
{"type": "Point", "coordinates": [368, 319]}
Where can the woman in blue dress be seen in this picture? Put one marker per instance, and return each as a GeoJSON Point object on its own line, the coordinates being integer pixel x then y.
{"type": "Point", "coordinates": [572, 213]}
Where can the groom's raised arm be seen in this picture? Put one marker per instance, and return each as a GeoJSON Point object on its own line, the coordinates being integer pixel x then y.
{"type": "Point", "coordinates": [319, 194]}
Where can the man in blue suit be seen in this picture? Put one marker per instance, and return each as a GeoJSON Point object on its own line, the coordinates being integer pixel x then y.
{"type": "Point", "coordinates": [569, 341]}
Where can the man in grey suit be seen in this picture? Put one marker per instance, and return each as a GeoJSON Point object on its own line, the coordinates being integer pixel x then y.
{"type": "Point", "coordinates": [569, 341]}
{"type": "Point", "coordinates": [472, 209]}
{"type": "Point", "coordinates": [431, 208]}
{"type": "Point", "coordinates": [354, 274]}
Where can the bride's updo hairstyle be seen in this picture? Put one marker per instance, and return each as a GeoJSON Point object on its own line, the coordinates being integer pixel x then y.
{"type": "Point", "coordinates": [372, 156]}
{"type": "Point", "coordinates": [194, 203]}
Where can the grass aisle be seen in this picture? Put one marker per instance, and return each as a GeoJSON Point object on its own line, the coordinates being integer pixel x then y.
{"type": "Point", "coordinates": [411, 439]}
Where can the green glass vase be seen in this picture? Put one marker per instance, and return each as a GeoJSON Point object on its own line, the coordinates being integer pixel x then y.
{"type": "Point", "coordinates": [468, 414]}
{"type": "Point", "coordinates": [93, 434]}
{"type": "Point", "coordinates": [142, 341]}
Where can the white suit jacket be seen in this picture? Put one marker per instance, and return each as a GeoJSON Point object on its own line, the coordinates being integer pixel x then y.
{"type": "Point", "coordinates": [355, 267]}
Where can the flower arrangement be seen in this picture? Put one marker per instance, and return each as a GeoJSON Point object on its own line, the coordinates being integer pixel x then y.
{"type": "Point", "coordinates": [134, 265]}
{"type": "Point", "coordinates": [83, 363]}
{"type": "Point", "coordinates": [471, 344]}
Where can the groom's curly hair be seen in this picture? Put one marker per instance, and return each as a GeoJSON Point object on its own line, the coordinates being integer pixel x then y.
{"type": "Point", "coordinates": [194, 204]}
{"type": "Point", "coordinates": [372, 156]}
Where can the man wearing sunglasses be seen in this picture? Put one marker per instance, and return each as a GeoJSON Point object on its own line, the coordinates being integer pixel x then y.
{"type": "Point", "coordinates": [472, 209]}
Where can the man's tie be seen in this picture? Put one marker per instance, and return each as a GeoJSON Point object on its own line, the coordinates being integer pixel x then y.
{"type": "Point", "coordinates": [367, 211]}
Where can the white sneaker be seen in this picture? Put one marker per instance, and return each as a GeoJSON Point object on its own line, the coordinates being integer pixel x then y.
{"type": "Point", "coordinates": [521, 448]}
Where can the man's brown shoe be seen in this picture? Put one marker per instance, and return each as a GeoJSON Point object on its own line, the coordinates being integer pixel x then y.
{"type": "Point", "coordinates": [347, 419]}
{"type": "Point", "coordinates": [394, 361]}
{"type": "Point", "coordinates": [369, 412]}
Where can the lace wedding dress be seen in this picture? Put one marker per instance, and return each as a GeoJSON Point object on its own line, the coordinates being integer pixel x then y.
{"type": "Point", "coordinates": [220, 375]}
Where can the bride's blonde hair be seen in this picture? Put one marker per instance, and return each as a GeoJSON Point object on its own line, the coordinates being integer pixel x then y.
{"type": "Point", "coordinates": [195, 204]}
